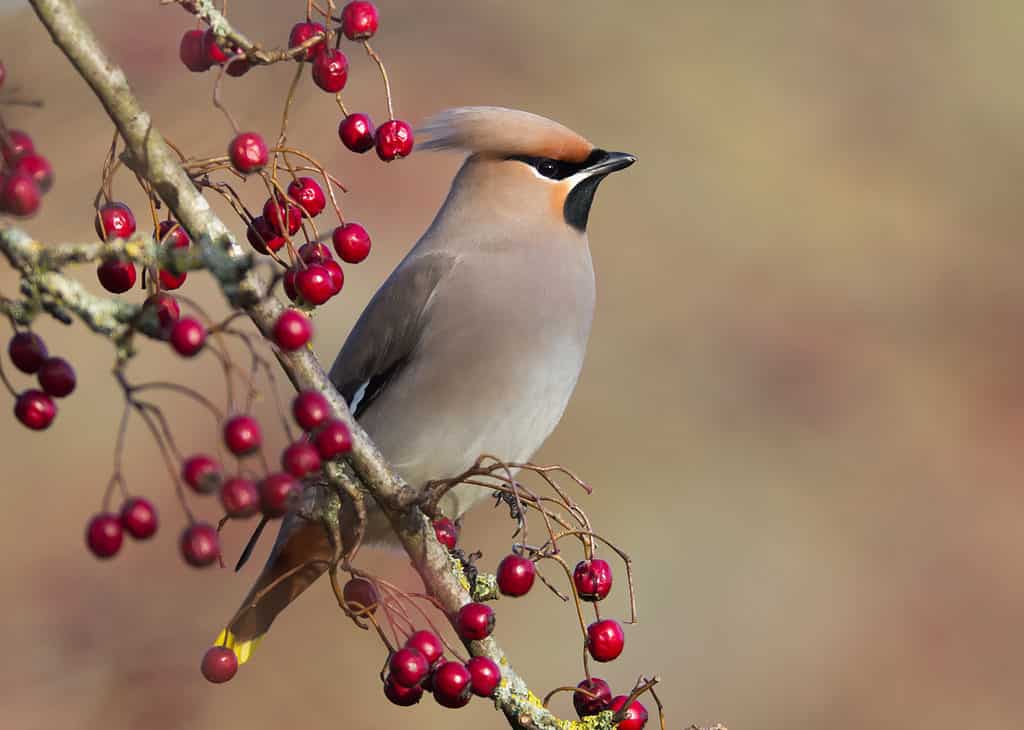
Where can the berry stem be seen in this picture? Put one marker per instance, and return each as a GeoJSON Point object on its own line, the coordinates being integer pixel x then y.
{"type": "Point", "coordinates": [384, 75]}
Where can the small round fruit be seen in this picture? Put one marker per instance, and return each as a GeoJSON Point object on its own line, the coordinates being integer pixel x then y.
{"type": "Point", "coordinates": [38, 168]}
{"type": "Point", "coordinates": [314, 284]}
{"type": "Point", "coordinates": [605, 639]}
{"type": "Point", "coordinates": [356, 132]}
{"type": "Point", "coordinates": [188, 336]}
{"type": "Point", "coordinates": [240, 497]}
{"type": "Point", "coordinates": [170, 281]}
{"type": "Point", "coordinates": [446, 532]}
{"type": "Point", "coordinates": [308, 194]}
{"type": "Point", "coordinates": [475, 621]}
{"type": "Point", "coordinates": [593, 579]}
{"type": "Point", "coordinates": [214, 53]}
{"type": "Point", "coordinates": [515, 575]}
{"type": "Point", "coordinates": [116, 276]}
{"type": "Point", "coordinates": [330, 70]}
{"type": "Point", "coordinates": [57, 377]}
{"type": "Point", "coordinates": [283, 216]}
{"type": "Point", "coordinates": [138, 518]}
{"type": "Point", "coordinates": [242, 435]}
{"type": "Point", "coordinates": [200, 545]}
{"type": "Point", "coordinates": [315, 253]}
{"type": "Point", "coordinates": [16, 145]}
{"type": "Point", "coordinates": [262, 236]}
{"type": "Point", "coordinates": [278, 493]}
{"type": "Point", "coordinates": [336, 275]}
{"type": "Point", "coordinates": [360, 596]}
{"type": "Point", "coordinates": [595, 697]}
{"type": "Point", "coordinates": [302, 32]}
{"type": "Point", "coordinates": [351, 242]}
{"type": "Point", "coordinates": [20, 194]}
{"type": "Point", "coordinates": [165, 309]}
{"type": "Point", "coordinates": [248, 152]}
{"type": "Point", "coordinates": [300, 459]}
{"type": "Point", "coordinates": [484, 674]}
{"type": "Point", "coordinates": [192, 51]}
{"type": "Point", "coordinates": [219, 664]}
{"type": "Point", "coordinates": [452, 685]}
{"type": "Point", "coordinates": [394, 139]}
{"type": "Point", "coordinates": [202, 473]}
{"type": "Point", "coordinates": [310, 409]}
{"type": "Point", "coordinates": [402, 696]}
{"type": "Point", "coordinates": [239, 67]}
{"type": "Point", "coordinates": [292, 330]}
{"type": "Point", "coordinates": [115, 220]}
{"type": "Point", "coordinates": [35, 409]}
{"type": "Point", "coordinates": [359, 20]}
{"type": "Point", "coordinates": [428, 644]}
{"type": "Point", "coordinates": [333, 439]}
{"type": "Point", "coordinates": [27, 351]}
{"type": "Point", "coordinates": [104, 535]}
{"type": "Point", "coordinates": [408, 667]}
{"type": "Point", "coordinates": [635, 716]}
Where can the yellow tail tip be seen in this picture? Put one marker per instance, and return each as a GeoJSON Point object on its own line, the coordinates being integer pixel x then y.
{"type": "Point", "coordinates": [243, 649]}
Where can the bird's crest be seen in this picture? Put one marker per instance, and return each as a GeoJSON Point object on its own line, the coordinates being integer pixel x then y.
{"type": "Point", "coordinates": [500, 131]}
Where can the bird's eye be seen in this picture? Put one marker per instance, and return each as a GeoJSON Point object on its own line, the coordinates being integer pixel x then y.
{"type": "Point", "coordinates": [548, 168]}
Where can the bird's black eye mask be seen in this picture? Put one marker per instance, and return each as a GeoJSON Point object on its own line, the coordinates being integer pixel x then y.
{"type": "Point", "coordinates": [559, 169]}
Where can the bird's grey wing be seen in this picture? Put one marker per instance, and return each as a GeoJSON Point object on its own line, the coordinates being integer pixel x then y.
{"type": "Point", "coordinates": [387, 331]}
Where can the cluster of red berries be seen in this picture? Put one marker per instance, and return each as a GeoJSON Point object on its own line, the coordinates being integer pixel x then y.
{"type": "Point", "coordinates": [115, 220]}
{"type": "Point", "coordinates": [420, 665]}
{"type": "Point", "coordinates": [35, 407]}
{"type": "Point", "coordinates": [25, 176]}
{"type": "Point", "coordinates": [201, 51]}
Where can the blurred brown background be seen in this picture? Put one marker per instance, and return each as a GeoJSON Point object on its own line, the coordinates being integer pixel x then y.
{"type": "Point", "coordinates": [802, 408]}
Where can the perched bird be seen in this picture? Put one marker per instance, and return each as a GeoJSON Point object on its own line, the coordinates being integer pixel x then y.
{"type": "Point", "coordinates": [474, 343]}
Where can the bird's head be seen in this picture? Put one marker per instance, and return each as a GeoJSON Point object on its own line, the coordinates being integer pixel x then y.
{"type": "Point", "coordinates": [523, 165]}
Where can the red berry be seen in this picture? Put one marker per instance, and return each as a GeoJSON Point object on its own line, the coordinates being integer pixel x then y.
{"type": "Point", "coordinates": [402, 696]}
{"type": "Point", "coordinates": [239, 67]}
{"type": "Point", "coordinates": [219, 664]}
{"type": "Point", "coordinates": [333, 440]}
{"type": "Point", "coordinates": [57, 377]}
{"type": "Point", "coordinates": [27, 351]}
{"type": "Point", "coordinates": [394, 140]}
{"type": "Point", "coordinates": [451, 682]}
{"type": "Point", "coordinates": [138, 518]}
{"type": "Point", "coordinates": [202, 473]}
{"type": "Point", "coordinates": [240, 497]}
{"type": "Point", "coordinates": [18, 143]}
{"type": "Point", "coordinates": [300, 459]}
{"type": "Point", "coordinates": [200, 545]}
{"type": "Point", "coordinates": [315, 253]}
{"type": "Point", "coordinates": [170, 282]}
{"type": "Point", "coordinates": [475, 621]}
{"type": "Point", "coordinates": [115, 220]}
{"type": "Point", "coordinates": [20, 194]}
{"type": "Point", "coordinates": [302, 32]}
{"type": "Point", "coordinates": [283, 216]}
{"type": "Point", "coordinates": [635, 716]}
{"type": "Point", "coordinates": [336, 275]}
{"type": "Point", "coordinates": [593, 579]}
{"type": "Point", "coordinates": [360, 596]}
{"type": "Point", "coordinates": [308, 194]}
{"type": "Point", "coordinates": [351, 242]}
{"type": "Point", "coordinates": [408, 667]}
{"type": "Point", "coordinates": [288, 281]}
{"type": "Point", "coordinates": [356, 132]}
{"type": "Point", "coordinates": [428, 644]}
{"type": "Point", "coordinates": [515, 575]}
{"type": "Point", "coordinates": [172, 236]}
{"type": "Point", "coordinates": [446, 532]}
{"type": "Point", "coordinates": [166, 310]}
{"type": "Point", "coordinates": [595, 697]}
{"type": "Point", "coordinates": [116, 276]}
{"type": "Point", "coordinates": [248, 152]}
{"type": "Point", "coordinates": [330, 70]}
{"type": "Point", "coordinates": [38, 168]}
{"type": "Point", "coordinates": [35, 409]}
{"type": "Point", "coordinates": [314, 284]}
{"type": "Point", "coordinates": [359, 20]}
{"type": "Point", "coordinates": [214, 53]}
{"type": "Point", "coordinates": [485, 676]}
{"type": "Point", "coordinates": [188, 336]}
{"type": "Point", "coordinates": [605, 639]}
{"type": "Point", "coordinates": [292, 330]}
{"type": "Point", "coordinates": [104, 535]}
{"type": "Point", "coordinates": [242, 435]}
{"type": "Point", "coordinates": [192, 51]}
{"type": "Point", "coordinates": [310, 409]}
{"type": "Point", "coordinates": [262, 235]}
{"type": "Point", "coordinates": [278, 493]}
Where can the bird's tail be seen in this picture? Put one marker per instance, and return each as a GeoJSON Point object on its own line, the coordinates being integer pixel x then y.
{"type": "Point", "coordinates": [298, 558]}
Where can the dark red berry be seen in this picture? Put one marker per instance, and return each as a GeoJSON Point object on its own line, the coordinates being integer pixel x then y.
{"type": "Point", "coordinates": [192, 51]}
{"type": "Point", "coordinates": [20, 194]}
{"type": "Point", "coordinates": [104, 535]}
{"type": "Point", "coordinates": [394, 140]}
{"type": "Point", "coordinates": [169, 281]}
{"type": "Point", "coordinates": [330, 70]}
{"type": "Point", "coordinates": [27, 351]}
{"type": "Point", "coordinates": [242, 435]}
{"type": "Point", "coordinates": [240, 497]}
{"type": "Point", "coordinates": [605, 639]}
{"type": "Point", "coordinates": [314, 284]}
{"type": "Point", "coordinates": [593, 579]}
{"type": "Point", "coordinates": [172, 236]}
{"type": "Point", "coordinates": [188, 336]}
{"type": "Point", "coordinates": [356, 132]}
{"type": "Point", "coordinates": [351, 242]}
{"type": "Point", "coordinates": [359, 20]}
{"type": "Point", "coordinates": [248, 152]}
{"type": "Point", "coordinates": [239, 67]}
{"type": "Point", "coordinates": [57, 377]}
{"type": "Point", "coordinates": [635, 716]}
{"type": "Point", "coordinates": [310, 409]}
{"type": "Point", "coordinates": [16, 145]}
{"type": "Point", "coordinates": [333, 439]}
{"type": "Point", "coordinates": [214, 53]}
{"type": "Point", "coordinates": [485, 676]}
{"type": "Point", "coordinates": [475, 621]}
{"type": "Point", "coordinates": [202, 473]}
{"type": "Point", "coordinates": [428, 644]}
{"type": "Point", "coordinates": [292, 330]}
{"type": "Point", "coordinates": [408, 667]}
{"type": "Point", "coordinates": [115, 220]}
{"type": "Point", "coordinates": [315, 253]}
{"type": "Point", "coordinates": [515, 575]}
{"type": "Point", "coordinates": [308, 194]}
{"type": "Point", "coordinates": [35, 409]}
{"type": "Point", "coordinates": [595, 697]}
{"type": "Point", "coordinates": [262, 235]}
{"type": "Point", "coordinates": [200, 545]}
{"type": "Point", "coordinates": [283, 216]}
{"type": "Point", "coordinates": [300, 459]}
{"type": "Point", "coordinates": [288, 282]}
{"type": "Point", "coordinates": [302, 32]}
{"type": "Point", "coordinates": [278, 493]}
{"type": "Point", "coordinates": [446, 532]}
{"type": "Point", "coordinates": [360, 596]}
{"type": "Point", "coordinates": [116, 276]}
{"type": "Point", "coordinates": [336, 274]}
{"type": "Point", "coordinates": [38, 168]}
{"type": "Point", "coordinates": [166, 310]}
{"type": "Point", "coordinates": [138, 518]}
{"type": "Point", "coordinates": [219, 664]}
{"type": "Point", "coordinates": [402, 696]}
{"type": "Point", "coordinates": [451, 682]}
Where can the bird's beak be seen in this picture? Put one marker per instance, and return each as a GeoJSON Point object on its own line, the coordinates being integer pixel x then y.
{"type": "Point", "coordinates": [611, 162]}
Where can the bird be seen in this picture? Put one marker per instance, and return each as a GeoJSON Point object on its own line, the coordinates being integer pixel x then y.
{"type": "Point", "coordinates": [475, 341]}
